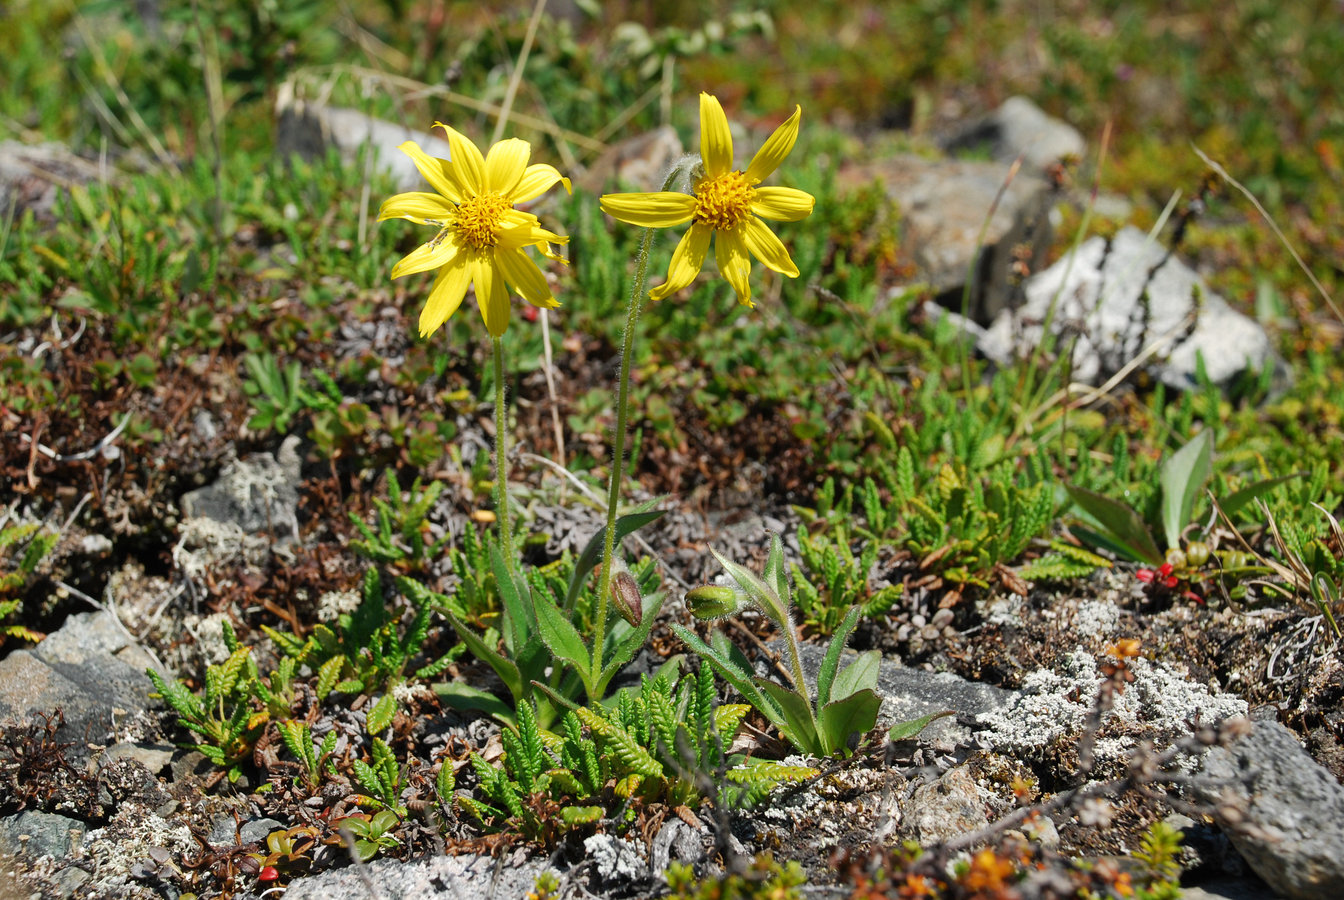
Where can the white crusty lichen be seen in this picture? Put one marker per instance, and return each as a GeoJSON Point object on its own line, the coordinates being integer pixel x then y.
{"type": "Point", "coordinates": [1160, 703]}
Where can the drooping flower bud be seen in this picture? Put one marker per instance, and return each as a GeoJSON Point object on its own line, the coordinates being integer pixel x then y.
{"type": "Point", "coordinates": [626, 597]}
{"type": "Point", "coordinates": [714, 601]}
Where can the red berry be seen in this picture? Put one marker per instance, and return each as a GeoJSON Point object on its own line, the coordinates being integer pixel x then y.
{"type": "Point", "coordinates": [1145, 575]}
{"type": "Point", "coordinates": [268, 873]}
{"type": "Point", "coordinates": [1166, 569]}
{"type": "Point", "coordinates": [1171, 582]}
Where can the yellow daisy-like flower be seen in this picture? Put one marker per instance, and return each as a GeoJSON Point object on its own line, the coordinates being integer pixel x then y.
{"type": "Point", "coordinates": [726, 202]}
{"type": "Point", "coordinates": [482, 239]}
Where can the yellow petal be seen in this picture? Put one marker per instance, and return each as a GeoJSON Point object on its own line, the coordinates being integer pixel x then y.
{"type": "Point", "coordinates": [783, 204]}
{"type": "Point", "coordinates": [716, 140]}
{"type": "Point", "coordinates": [513, 235]}
{"type": "Point", "coordinates": [663, 209]}
{"type": "Point", "coordinates": [731, 254]}
{"type": "Point", "coordinates": [491, 295]}
{"type": "Point", "coordinates": [505, 165]}
{"type": "Point", "coordinates": [438, 172]}
{"type": "Point", "coordinates": [426, 256]}
{"type": "Point", "coordinates": [763, 244]}
{"type": "Point", "coordinates": [537, 180]}
{"type": "Point", "coordinates": [687, 260]}
{"type": "Point", "coordinates": [524, 277]}
{"type": "Point", "coordinates": [418, 206]}
{"type": "Point", "coordinates": [467, 165]}
{"type": "Point", "coordinates": [446, 295]}
{"type": "Point", "coordinates": [773, 151]}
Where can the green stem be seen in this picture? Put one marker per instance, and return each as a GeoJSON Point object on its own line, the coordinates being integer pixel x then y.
{"type": "Point", "coordinates": [618, 454]}
{"type": "Point", "coordinates": [502, 456]}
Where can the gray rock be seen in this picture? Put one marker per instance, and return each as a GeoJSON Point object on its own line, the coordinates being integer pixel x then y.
{"type": "Point", "coordinates": [1117, 297]}
{"type": "Point", "coordinates": [676, 841]}
{"type": "Point", "coordinates": [1021, 128]}
{"type": "Point", "coordinates": [259, 494]}
{"type": "Point", "coordinates": [616, 859]}
{"type": "Point", "coordinates": [911, 693]}
{"type": "Point", "coordinates": [1291, 811]}
{"type": "Point", "coordinates": [154, 757]}
{"type": "Point", "coordinates": [34, 833]}
{"type": "Point", "coordinates": [436, 878]}
{"type": "Point", "coordinates": [310, 129]}
{"type": "Point", "coordinates": [1228, 889]}
{"type": "Point", "coordinates": [947, 808]}
{"type": "Point", "coordinates": [226, 830]}
{"type": "Point", "coordinates": [75, 670]}
{"type": "Point", "coordinates": [31, 175]}
{"type": "Point", "coordinates": [944, 206]}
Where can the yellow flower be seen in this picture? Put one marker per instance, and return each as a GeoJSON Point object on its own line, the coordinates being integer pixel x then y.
{"type": "Point", "coordinates": [726, 202]}
{"type": "Point", "coordinates": [481, 238]}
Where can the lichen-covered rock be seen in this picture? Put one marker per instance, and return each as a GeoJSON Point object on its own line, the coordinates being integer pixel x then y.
{"type": "Point", "coordinates": [1116, 297]}
{"type": "Point", "coordinates": [1053, 706]}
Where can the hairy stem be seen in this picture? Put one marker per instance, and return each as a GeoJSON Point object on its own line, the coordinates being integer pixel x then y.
{"type": "Point", "coordinates": [618, 452]}
{"type": "Point", "coordinates": [501, 456]}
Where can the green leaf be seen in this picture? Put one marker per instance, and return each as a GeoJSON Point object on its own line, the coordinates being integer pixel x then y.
{"type": "Point", "coordinates": [504, 667]}
{"type": "Point", "coordinates": [516, 596]}
{"type": "Point", "coordinates": [381, 715]}
{"type": "Point", "coordinates": [733, 672]}
{"type": "Point", "coordinates": [800, 728]}
{"type": "Point", "coordinates": [839, 719]}
{"type": "Point", "coordinates": [464, 696]}
{"type": "Point", "coordinates": [1122, 525]}
{"type": "Point", "coordinates": [775, 574]}
{"type": "Point", "coordinates": [904, 731]}
{"type": "Point", "coordinates": [831, 662]}
{"type": "Point", "coordinates": [580, 815]}
{"type": "Point", "coordinates": [560, 635]}
{"type": "Point", "coordinates": [1233, 502]}
{"type": "Point", "coordinates": [1183, 477]}
{"type": "Point", "coordinates": [592, 552]}
{"type": "Point", "coordinates": [858, 675]}
{"type": "Point", "coordinates": [763, 595]}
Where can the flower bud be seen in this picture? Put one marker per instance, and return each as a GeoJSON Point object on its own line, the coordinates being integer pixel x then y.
{"type": "Point", "coordinates": [626, 597]}
{"type": "Point", "coordinates": [1197, 553]}
{"type": "Point", "coordinates": [714, 601]}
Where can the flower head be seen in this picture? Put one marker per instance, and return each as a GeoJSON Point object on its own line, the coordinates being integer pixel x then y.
{"type": "Point", "coordinates": [481, 237]}
{"type": "Point", "coordinates": [726, 202]}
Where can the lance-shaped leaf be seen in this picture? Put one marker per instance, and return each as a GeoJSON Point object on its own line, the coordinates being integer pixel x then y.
{"type": "Point", "coordinates": [560, 635]}
{"type": "Point", "coordinates": [1183, 477]}
{"type": "Point", "coordinates": [1123, 528]}
{"type": "Point", "coordinates": [830, 664]}
{"type": "Point", "coordinates": [800, 728]}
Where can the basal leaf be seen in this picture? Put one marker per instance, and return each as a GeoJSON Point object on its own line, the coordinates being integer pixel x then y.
{"type": "Point", "coordinates": [1122, 525]}
{"type": "Point", "coordinates": [839, 719]}
{"type": "Point", "coordinates": [799, 729]}
{"type": "Point", "coordinates": [831, 662]}
{"type": "Point", "coordinates": [1183, 477]}
{"type": "Point", "coordinates": [858, 675]}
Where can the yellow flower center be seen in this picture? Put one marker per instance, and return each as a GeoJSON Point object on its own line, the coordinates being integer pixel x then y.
{"type": "Point", "coordinates": [724, 202]}
{"type": "Point", "coordinates": [477, 221]}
